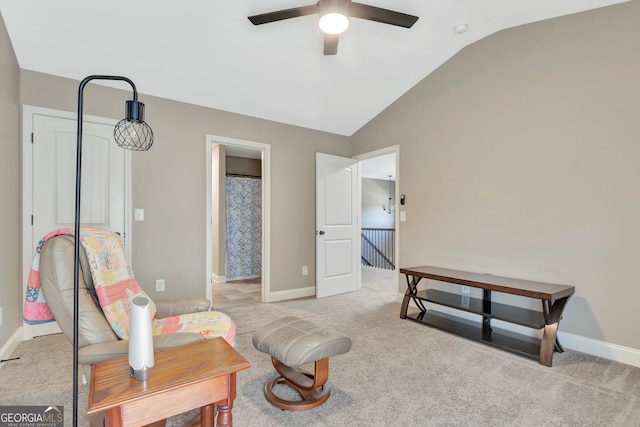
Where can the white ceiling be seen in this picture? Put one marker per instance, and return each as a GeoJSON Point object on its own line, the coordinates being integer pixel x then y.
{"type": "Point", "coordinates": [381, 167]}
{"type": "Point", "coordinates": [206, 52]}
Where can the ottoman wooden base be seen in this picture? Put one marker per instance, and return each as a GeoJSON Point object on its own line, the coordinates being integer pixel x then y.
{"type": "Point", "coordinates": [312, 388]}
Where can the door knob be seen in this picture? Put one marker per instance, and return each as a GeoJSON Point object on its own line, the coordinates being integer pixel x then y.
{"type": "Point", "coordinates": [320, 232]}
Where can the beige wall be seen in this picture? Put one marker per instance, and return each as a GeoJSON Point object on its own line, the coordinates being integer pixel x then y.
{"type": "Point", "coordinates": [10, 289]}
{"type": "Point", "coordinates": [243, 166]}
{"type": "Point", "coordinates": [521, 157]}
{"type": "Point", "coordinates": [375, 193]}
{"type": "Point", "coordinates": [169, 182]}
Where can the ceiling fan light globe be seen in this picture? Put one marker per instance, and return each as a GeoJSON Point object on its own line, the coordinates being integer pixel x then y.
{"type": "Point", "coordinates": [333, 23]}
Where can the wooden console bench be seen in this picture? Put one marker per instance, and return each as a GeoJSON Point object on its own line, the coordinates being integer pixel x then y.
{"type": "Point", "coordinates": [553, 297]}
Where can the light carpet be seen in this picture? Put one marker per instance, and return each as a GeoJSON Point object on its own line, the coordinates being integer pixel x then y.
{"type": "Point", "coordinates": [398, 373]}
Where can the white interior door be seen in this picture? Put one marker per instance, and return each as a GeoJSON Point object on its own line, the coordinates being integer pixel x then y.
{"type": "Point", "coordinates": [54, 174]}
{"type": "Point", "coordinates": [52, 168]}
{"type": "Point", "coordinates": [337, 230]}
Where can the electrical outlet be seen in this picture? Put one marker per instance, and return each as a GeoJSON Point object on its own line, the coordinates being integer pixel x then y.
{"type": "Point", "coordinates": [160, 285]}
{"type": "Point", "coordinates": [465, 289]}
{"type": "Point", "coordinates": [305, 270]}
{"type": "Point", "coordinates": [0, 316]}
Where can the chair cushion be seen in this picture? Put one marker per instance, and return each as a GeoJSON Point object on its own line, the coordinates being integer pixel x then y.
{"type": "Point", "coordinates": [56, 276]}
{"type": "Point", "coordinates": [295, 341]}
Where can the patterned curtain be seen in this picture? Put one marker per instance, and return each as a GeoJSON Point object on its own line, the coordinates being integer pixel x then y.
{"type": "Point", "coordinates": [244, 227]}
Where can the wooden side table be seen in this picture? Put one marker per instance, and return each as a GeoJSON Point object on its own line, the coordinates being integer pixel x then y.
{"type": "Point", "coordinates": [197, 375]}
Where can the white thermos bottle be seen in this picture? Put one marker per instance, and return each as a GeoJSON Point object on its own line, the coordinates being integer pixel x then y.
{"type": "Point", "coordinates": [140, 339]}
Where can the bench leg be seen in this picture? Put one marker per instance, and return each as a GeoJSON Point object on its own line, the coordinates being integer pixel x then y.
{"type": "Point", "coordinates": [550, 335]}
{"type": "Point", "coordinates": [410, 294]}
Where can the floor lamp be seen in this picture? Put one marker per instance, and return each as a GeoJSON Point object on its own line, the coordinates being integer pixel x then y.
{"type": "Point", "coordinates": [131, 133]}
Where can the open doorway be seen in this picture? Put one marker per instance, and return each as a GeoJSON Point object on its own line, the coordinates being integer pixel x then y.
{"type": "Point", "coordinates": [379, 212]}
{"type": "Point", "coordinates": [237, 194]}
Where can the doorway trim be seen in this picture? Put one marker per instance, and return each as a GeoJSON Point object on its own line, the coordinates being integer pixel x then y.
{"type": "Point", "coordinates": [211, 141]}
{"type": "Point", "coordinates": [393, 149]}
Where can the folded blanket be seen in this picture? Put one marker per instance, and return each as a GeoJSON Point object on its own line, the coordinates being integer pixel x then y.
{"type": "Point", "coordinates": [112, 277]}
{"type": "Point", "coordinates": [35, 309]}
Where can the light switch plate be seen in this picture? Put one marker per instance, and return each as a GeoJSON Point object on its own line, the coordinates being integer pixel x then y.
{"type": "Point", "coordinates": [139, 214]}
{"type": "Point", "coordinates": [465, 301]}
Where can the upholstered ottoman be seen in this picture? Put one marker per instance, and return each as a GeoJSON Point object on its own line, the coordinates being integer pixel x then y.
{"type": "Point", "coordinates": [293, 342]}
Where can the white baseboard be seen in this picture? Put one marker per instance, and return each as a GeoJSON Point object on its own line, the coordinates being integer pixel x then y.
{"type": "Point", "coordinates": [291, 294]}
{"type": "Point", "coordinates": [614, 352]}
{"type": "Point", "coordinates": [218, 279]}
{"type": "Point", "coordinates": [11, 344]}
{"type": "Point", "coordinates": [32, 331]}
{"type": "Point", "coordinates": [254, 276]}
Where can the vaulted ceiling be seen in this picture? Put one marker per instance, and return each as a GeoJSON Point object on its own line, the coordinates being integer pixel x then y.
{"type": "Point", "coordinates": [206, 52]}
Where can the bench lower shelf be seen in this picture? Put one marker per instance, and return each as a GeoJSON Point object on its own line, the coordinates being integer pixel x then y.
{"type": "Point", "coordinates": [505, 340]}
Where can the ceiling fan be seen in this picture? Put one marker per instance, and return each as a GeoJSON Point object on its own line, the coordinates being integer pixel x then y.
{"type": "Point", "coordinates": [334, 18]}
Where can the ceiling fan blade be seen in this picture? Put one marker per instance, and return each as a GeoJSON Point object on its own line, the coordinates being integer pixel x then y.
{"type": "Point", "coordinates": [378, 14]}
{"type": "Point", "coordinates": [330, 44]}
{"type": "Point", "coordinates": [295, 12]}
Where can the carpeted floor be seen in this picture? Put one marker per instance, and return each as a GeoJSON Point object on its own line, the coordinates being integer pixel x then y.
{"type": "Point", "coordinates": [398, 373]}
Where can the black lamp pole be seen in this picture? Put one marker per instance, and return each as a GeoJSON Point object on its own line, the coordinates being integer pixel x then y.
{"type": "Point", "coordinates": [131, 133]}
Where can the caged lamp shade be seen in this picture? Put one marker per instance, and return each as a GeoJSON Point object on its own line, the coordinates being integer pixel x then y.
{"type": "Point", "coordinates": [132, 132]}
